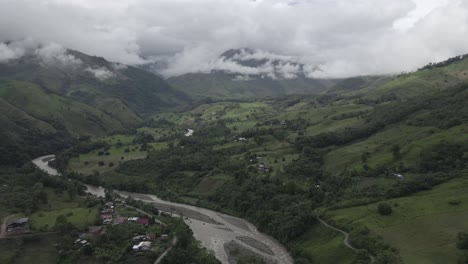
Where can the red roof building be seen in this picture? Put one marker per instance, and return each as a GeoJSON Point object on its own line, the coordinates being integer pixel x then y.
{"type": "Point", "coordinates": [143, 221]}
{"type": "Point", "coordinates": [151, 237]}
{"type": "Point", "coordinates": [106, 216]}
{"type": "Point", "coordinates": [121, 220]}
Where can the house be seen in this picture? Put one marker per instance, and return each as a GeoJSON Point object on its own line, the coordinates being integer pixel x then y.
{"type": "Point", "coordinates": [399, 176]}
{"type": "Point", "coordinates": [132, 219]}
{"type": "Point", "coordinates": [242, 139]}
{"type": "Point", "coordinates": [262, 168]}
{"type": "Point", "coordinates": [142, 246]}
{"type": "Point", "coordinates": [92, 232]}
{"type": "Point", "coordinates": [121, 220]}
{"type": "Point", "coordinates": [138, 238]}
{"type": "Point", "coordinates": [164, 237]}
{"type": "Point", "coordinates": [142, 221]}
{"type": "Point", "coordinates": [109, 205]}
{"type": "Point", "coordinates": [151, 237]}
{"type": "Point", "coordinates": [107, 211]}
{"type": "Point", "coordinates": [107, 221]}
{"type": "Point", "coordinates": [18, 224]}
{"type": "Point", "coordinates": [106, 216]}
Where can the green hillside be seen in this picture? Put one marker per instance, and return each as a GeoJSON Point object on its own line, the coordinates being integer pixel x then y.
{"type": "Point", "coordinates": [220, 85]}
{"type": "Point", "coordinates": [77, 118]}
{"type": "Point", "coordinates": [339, 152]}
{"type": "Point", "coordinates": [139, 91]}
{"type": "Point", "coordinates": [49, 101]}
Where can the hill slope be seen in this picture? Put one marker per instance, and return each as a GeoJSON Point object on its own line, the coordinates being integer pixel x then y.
{"type": "Point", "coordinates": [51, 92]}
{"type": "Point", "coordinates": [279, 162]}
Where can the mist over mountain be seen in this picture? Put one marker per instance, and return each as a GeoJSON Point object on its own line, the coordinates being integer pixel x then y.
{"type": "Point", "coordinates": [248, 73]}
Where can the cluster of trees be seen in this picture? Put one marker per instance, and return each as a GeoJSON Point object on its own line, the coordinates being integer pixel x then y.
{"type": "Point", "coordinates": [462, 246]}
{"type": "Point", "coordinates": [23, 189]}
{"type": "Point", "coordinates": [447, 62]}
{"type": "Point", "coordinates": [444, 157]}
{"type": "Point", "coordinates": [445, 109]}
{"type": "Point", "coordinates": [20, 148]}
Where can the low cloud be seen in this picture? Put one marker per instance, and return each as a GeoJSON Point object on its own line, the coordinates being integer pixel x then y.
{"type": "Point", "coordinates": [100, 73]}
{"type": "Point", "coordinates": [336, 38]}
{"type": "Point", "coordinates": [8, 53]}
{"type": "Point", "coordinates": [242, 78]}
{"type": "Point", "coordinates": [55, 54]}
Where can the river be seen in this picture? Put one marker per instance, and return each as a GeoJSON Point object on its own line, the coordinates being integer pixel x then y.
{"type": "Point", "coordinates": [219, 233]}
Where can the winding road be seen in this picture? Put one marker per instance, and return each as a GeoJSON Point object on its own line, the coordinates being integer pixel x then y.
{"type": "Point", "coordinates": [214, 230]}
{"type": "Point", "coordinates": [346, 237]}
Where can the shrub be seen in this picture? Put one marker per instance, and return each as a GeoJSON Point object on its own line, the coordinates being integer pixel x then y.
{"type": "Point", "coordinates": [462, 241]}
{"type": "Point", "coordinates": [384, 209]}
{"type": "Point", "coordinates": [454, 202]}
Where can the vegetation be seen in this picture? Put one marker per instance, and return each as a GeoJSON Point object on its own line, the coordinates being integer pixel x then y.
{"type": "Point", "coordinates": [382, 158]}
{"type": "Point", "coordinates": [384, 208]}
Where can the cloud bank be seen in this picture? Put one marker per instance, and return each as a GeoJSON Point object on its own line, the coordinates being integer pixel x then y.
{"type": "Point", "coordinates": [332, 38]}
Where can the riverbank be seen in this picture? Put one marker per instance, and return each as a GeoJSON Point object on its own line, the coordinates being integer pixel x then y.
{"type": "Point", "coordinates": [212, 229]}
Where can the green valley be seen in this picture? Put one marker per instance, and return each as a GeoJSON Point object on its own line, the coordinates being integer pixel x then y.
{"type": "Point", "coordinates": [282, 162]}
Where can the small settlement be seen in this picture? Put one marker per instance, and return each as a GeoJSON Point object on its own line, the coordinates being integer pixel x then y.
{"type": "Point", "coordinates": [117, 225]}
{"type": "Point", "coordinates": [110, 216]}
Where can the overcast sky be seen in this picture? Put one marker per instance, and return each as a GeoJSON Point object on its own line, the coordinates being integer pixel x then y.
{"type": "Point", "coordinates": [339, 37]}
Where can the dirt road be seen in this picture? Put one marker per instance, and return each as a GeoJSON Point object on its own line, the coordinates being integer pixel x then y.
{"type": "Point", "coordinates": [346, 237]}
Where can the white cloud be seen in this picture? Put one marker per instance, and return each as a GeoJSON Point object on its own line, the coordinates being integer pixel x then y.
{"type": "Point", "coordinates": [118, 66]}
{"type": "Point", "coordinates": [53, 53]}
{"type": "Point", "coordinates": [8, 53]}
{"type": "Point", "coordinates": [100, 73]}
{"type": "Point", "coordinates": [339, 37]}
{"type": "Point", "coordinates": [241, 78]}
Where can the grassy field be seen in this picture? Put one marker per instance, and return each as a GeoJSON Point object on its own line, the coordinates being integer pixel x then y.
{"type": "Point", "coordinates": [89, 163]}
{"type": "Point", "coordinates": [208, 185]}
{"type": "Point", "coordinates": [116, 139]}
{"type": "Point", "coordinates": [79, 217]}
{"type": "Point", "coordinates": [412, 140]}
{"type": "Point", "coordinates": [423, 227]}
{"type": "Point", "coordinates": [324, 245]}
{"type": "Point", "coordinates": [60, 204]}
{"type": "Point", "coordinates": [418, 83]}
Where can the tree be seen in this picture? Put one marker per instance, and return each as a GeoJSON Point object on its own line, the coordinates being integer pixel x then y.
{"type": "Point", "coordinates": [62, 225]}
{"type": "Point", "coordinates": [365, 156]}
{"type": "Point", "coordinates": [384, 209]}
{"type": "Point", "coordinates": [361, 257]}
{"type": "Point", "coordinates": [396, 152]}
{"type": "Point", "coordinates": [462, 241]}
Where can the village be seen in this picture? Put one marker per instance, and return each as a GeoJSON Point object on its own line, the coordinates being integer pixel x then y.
{"type": "Point", "coordinates": [137, 234]}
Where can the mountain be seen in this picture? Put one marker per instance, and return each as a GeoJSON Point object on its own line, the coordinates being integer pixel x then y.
{"type": "Point", "coordinates": [51, 92]}
{"type": "Point", "coordinates": [247, 73]}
